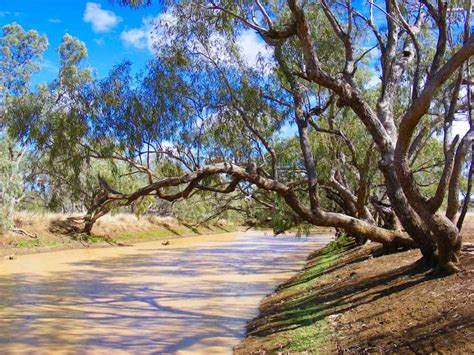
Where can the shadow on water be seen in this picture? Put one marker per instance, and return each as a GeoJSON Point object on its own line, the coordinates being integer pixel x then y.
{"type": "Point", "coordinates": [146, 299]}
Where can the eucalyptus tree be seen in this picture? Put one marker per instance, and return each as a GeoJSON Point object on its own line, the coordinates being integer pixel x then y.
{"type": "Point", "coordinates": [38, 113]}
{"type": "Point", "coordinates": [20, 54]}
{"type": "Point", "coordinates": [318, 48]}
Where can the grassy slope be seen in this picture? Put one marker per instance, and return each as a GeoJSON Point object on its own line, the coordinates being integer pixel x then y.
{"type": "Point", "coordinates": [292, 319]}
{"type": "Point", "coordinates": [361, 300]}
{"type": "Point", "coordinates": [52, 234]}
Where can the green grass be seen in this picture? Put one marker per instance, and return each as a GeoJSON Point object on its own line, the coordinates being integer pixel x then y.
{"type": "Point", "coordinates": [295, 321]}
{"type": "Point", "coordinates": [35, 243]}
{"type": "Point", "coordinates": [305, 310]}
{"type": "Point", "coordinates": [28, 243]}
{"type": "Point", "coordinates": [309, 337]}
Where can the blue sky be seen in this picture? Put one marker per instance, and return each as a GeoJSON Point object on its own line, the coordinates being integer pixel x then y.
{"type": "Point", "coordinates": [111, 33]}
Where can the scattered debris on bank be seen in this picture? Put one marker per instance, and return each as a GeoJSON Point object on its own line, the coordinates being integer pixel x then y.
{"type": "Point", "coordinates": [357, 300]}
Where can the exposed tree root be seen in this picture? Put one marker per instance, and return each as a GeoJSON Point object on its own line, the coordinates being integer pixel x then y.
{"type": "Point", "coordinates": [451, 268]}
{"type": "Point", "coordinates": [438, 269]}
{"type": "Point", "coordinates": [23, 232]}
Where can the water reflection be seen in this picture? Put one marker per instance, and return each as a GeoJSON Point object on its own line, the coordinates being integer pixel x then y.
{"type": "Point", "coordinates": [194, 296]}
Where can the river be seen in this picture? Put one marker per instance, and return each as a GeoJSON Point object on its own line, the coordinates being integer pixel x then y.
{"type": "Point", "coordinates": [193, 296]}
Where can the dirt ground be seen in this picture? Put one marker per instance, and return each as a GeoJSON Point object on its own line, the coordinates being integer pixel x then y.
{"type": "Point", "coordinates": [370, 304]}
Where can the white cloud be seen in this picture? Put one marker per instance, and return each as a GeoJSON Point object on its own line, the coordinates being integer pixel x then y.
{"type": "Point", "coordinates": [135, 37]}
{"type": "Point", "coordinates": [373, 82]}
{"type": "Point", "coordinates": [460, 127]}
{"type": "Point", "coordinates": [54, 20]}
{"type": "Point", "coordinates": [252, 48]}
{"type": "Point", "coordinates": [8, 13]}
{"type": "Point", "coordinates": [288, 130]}
{"type": "Point", "coordinates": [101, 20]}
{"type": "Point", "coordinates": [156, 32]}
{"type": "Point", "coordinates": [460, 124]}
{"type": "Point", "coordinates": [152, 31]}
{"type": "Point", "coordinates": [159, 29]}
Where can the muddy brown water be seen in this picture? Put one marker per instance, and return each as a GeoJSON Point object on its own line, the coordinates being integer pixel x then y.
{"type": "Point", "coordinates": [192, 296]}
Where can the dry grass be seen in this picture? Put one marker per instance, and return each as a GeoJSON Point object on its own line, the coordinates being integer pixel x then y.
{"type": "Point", "coordinates": [58, 231]}
{"type": "Point", "coordinates": [37, 223]}
{"type": "Point", "coordinates": [109, 225]}
{"type": "Point", "coordinates": [113, 225]}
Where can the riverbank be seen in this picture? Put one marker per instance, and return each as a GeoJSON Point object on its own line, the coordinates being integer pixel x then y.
{"type": "Point", "coordinates": [357, 300]}
{"type": "Point", "coordinates": [51, 232]}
